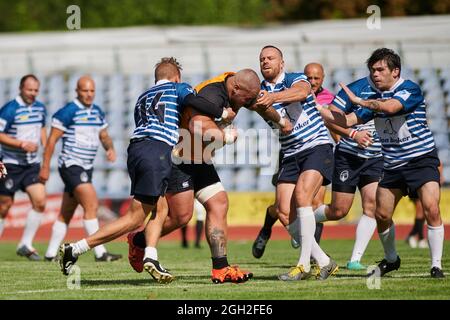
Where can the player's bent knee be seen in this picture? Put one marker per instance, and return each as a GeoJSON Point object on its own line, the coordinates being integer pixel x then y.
{"type": "Point", "coordinates": [382, 217]}
{"type": "Point", "coordinates": [39, 205]}
{"type": "Point", "coordinates": [338, 214]}
{"type": "Point", "coordinates": [4, 208]}
{"type": "Point", "coordinates": [208, 192]}
{"type": "Point", "coordinates": [433, 213]}
{"type": "Point", "coordinates": [183, 219]}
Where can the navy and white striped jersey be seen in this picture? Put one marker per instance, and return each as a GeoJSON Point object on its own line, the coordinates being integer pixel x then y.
{"type": "Point", "coordinates": [158, 110]}
{"type": "Point", "coordinates": [309, 129]}
{"type": "Point", "coordinates": [22, 122]}
{"type": "Point", "coordinates": [363, 89]}
{"type": "Point", "coordinates": [81, 126]}
{"type": "Point", "coordinates": [404, 135]}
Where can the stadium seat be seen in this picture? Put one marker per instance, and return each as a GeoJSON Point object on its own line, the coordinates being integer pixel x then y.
{"type": "Point", "coordinates": [437, 125]}
{"type": "Point", "coordinates": [441, 140]}
{"type": "Point", "coordinates": [245, 179]}
{"type": "Point", "coordinates": [120, 145]}
{"type": "Point", "coordinates": [264, 179]}
{"type": "Point", "coordinates": [226, 174]}
{"type": "Point", "coordinates": [244, 119]}
{"type": "Point", "coordinates": [446, 173]}
{"type": "Point", "coordinates": [427, 73]}
{"type": "Point", "coordinates": [3, 97]}
{"type": "Point", "coordinates": [99, 182]}
{"type": "Point", "coordinates": [408, 74]}
{"type": "Point", "coordinates": [446, 86]}
{"type": "Point", "coordinates": [118, 184]}
{"type": "Point", "coordinates": [342, 75]}
{"type": "Point", "coordinates": [361, 73]}
{"type": "Point", "coordinates": [99, 160]}
{"type": "Point", "coordinates": [54, 183]}
{"type": "Point", "coordinates": [444, 156]}
{"type": "Point", "coordinates": [12, 88]}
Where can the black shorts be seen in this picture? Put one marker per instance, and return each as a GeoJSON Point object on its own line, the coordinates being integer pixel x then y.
{"type": "Point", "coordinates": [275, 175]}
{"type": "Point", "coordinates": [351, 171]}
{"type": "Point", "coordinates": [19, 178]}
{"type": "Point", "coordinates": [319, 158]}
{"type": "Point", "coordinates": [195, 177]}
{"type": "Point", "coordinates": [149, 165]}
{"type": "Point", "coordinates": [73, 176]}
{"type": "Point", "coordinates": [410, 177]}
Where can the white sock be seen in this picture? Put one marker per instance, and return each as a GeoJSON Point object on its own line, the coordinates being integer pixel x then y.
{"type": "Point", "coordinates": [294, 229]}
{"type": "Point", "coordinates": [364, 232]}
{"type": "Point", "coordinates": [388, 240]}
{"type": "Point", "coordinates": [436, 243]}
{"type": "Point", "coordinates": [151, 252]}
{"type": "Point", "coordinates": [80, 247]}
{"type": "Point", "coordinates": [91, 227]}
{"type": "Point", "coordinates": [2, 226]}
{"type": "Point", "coordinates": [319, 255]}
{"type": "Point", "coordinates": [307, 229]}
{"type": "Point", "coordinates": [59, 231]}
{"type": "Point", "coordinates": [319, 214]}
{"type": "Point", "coordinates": [32, 225]}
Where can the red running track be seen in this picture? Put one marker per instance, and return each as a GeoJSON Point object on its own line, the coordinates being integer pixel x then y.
{"type": "Point", "coordinates": [234, 233]}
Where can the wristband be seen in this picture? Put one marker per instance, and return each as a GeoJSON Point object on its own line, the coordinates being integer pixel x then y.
{"type": "Point", "coordinates": [359, 100]}
{"type": "Point", "coordinates": [353, 133]}
{"type": "Point", "coordinates": [224, 114]}
{"type": "Point", "coordinates": [282, 122]}
{"type": "Point", "coordinates": [228, 136]}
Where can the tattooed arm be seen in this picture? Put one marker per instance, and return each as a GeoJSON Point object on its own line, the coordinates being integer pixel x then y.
{"type": "Point", "coordinates": [388, 106]}
{"type": "Point", "coordinates": [108, 145]}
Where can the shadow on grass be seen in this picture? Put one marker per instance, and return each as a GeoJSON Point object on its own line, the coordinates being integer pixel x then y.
{"type": "Point", "coordinates": [132, 282]}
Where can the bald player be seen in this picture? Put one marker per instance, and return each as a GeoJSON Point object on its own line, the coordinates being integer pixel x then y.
{"type": "Point", "coordinates": [157, 118]}
{"type": "Point", "coordinates": [22, 133]}
{"type": "Point", "coordinates": [196, 176]}
{"type": "Point", "coordinates": [82, 126]}
{"type": "Point", "coordinates": [315, 75]}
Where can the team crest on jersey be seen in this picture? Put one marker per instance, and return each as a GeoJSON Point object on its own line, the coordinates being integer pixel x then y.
{"type": "Point", "coordinates": [344, 175]}
{"type": "Point", "coordinates": [84, 177]}
{"type": "Point", "coordinates": [9, 184]}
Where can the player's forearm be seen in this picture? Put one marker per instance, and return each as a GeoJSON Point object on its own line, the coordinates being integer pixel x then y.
{"type": "Point", "coordinates": [344, 132]}
{"type": "Point", "coordinates": [43, 137]}
{"type": "Point", "coordinates": [48, 152]}
{"type": "Point", "coordinates": [290, 95]}
{"type": "Point", "coordinates": [389, 106]}
{"type": "Point", "coordinates": [269, 114]}
{"type": "Point", "coordinates": [106, 141]}
{"type": "Point", "coordinates": [337, 118]}
{"type": "Point", "coordinates": [10, 141]}
{"type": "Point", "coordinates": [204, 106]}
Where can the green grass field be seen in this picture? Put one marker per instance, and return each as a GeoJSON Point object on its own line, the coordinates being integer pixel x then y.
{"type": "Point", "coordinates": [21, 279]}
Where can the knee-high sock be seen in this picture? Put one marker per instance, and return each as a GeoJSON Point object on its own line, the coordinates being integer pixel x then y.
{"type": "Point", "coordinates": [436, 243]}
{"type": "Point", "coordinates": [91, 227]}
{"type": "Point", "coordinates": [198, 231]}
{"type": "Point", "coordinates": [80, 247]}
{"type": "Point", "coordinates": [319, 214]}
{"type": "Point", "coordinates": [307, 229]}
{"type": "Point", "coordinates": [364, 232]}
{"type": "Point", "coordinates": [387, 238]}
{"type": "Point", "coordinates": [2, 226]}
{"type": "Point", "coordinates": [32, 225]}
{"type": "Point", "coordinates": [294, 229]}
{"type": "Point", "coordinates": [59, 231]}
{"type": "Point", "coordinates": [319, 255]}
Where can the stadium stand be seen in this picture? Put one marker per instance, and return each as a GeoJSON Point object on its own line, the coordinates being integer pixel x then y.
{"type": "Point", "coordinates": [121, 62]}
